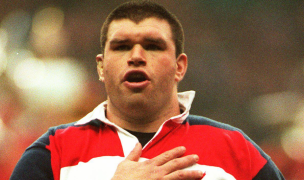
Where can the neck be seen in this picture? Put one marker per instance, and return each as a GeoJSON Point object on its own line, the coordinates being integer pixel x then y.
{"type": "Point", "coordinates": [141, 117]}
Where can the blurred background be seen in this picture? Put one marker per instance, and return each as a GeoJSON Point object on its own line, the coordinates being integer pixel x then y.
{"type": "Point", "coordinates": [246, 64]}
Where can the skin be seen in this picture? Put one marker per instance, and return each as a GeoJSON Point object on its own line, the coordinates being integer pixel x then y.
{"type": "Point", "coordinates": [148, 48]}
{"type": "Point", "coordinates": [166, 166]}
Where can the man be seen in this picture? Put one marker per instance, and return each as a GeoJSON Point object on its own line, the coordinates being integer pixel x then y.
{"type": "Point", "coordinates": [141, 64]}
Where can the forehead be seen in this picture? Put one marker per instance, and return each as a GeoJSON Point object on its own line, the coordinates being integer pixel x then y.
{"type": "Point", "coordinates": [152, 27]}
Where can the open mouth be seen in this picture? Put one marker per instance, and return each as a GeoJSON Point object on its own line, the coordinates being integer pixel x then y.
{"type": "Point", "coordinates": [136, 80]}
{"type": "Point", "coordinates": [136, 76]}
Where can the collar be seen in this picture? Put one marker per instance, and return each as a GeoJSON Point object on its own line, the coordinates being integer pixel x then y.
{"type": "Point", "coordinates": [185, 100]}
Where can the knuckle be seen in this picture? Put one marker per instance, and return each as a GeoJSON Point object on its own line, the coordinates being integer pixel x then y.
{"type": "Point", "coordinates": [148, 162]}
{"type": "Point", "coordinates": [176, 162]}
{"type": "Point", "coordinates": [181, 174]}
{"type": "Point", "coordinates": [167, 156]}
{"type": "Point", "coordinates": [190, 160]}
{"type": "Point", "coordinates": [157, 174]}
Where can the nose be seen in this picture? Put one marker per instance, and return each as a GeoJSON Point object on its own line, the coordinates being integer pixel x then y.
{"type": "Point", "coordinates": [137, 57]}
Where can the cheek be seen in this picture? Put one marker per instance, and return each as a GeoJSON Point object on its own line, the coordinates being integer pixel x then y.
{"type": "Point", "coordinates": [167, 66]}
{"type": "Point", "coordinates": [166, 72]}
{"type": "Point", "coordinates": [110, 73]}
{"type": "Point", "coordinates": [110, 81]}
{"type": "Point", "coordinates": [111, 67]}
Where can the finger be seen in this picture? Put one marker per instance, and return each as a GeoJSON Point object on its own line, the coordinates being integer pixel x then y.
{"type": "Point", "coordinates": [185, 174]}
{"type": "Point", "coordinates": [180, 163]}
{"type": "Point", "coordinates": [168, 156]}
{"type": "Point", "coordinates": [135, 153]}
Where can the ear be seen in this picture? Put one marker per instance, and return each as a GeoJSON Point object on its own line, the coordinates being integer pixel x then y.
{"type": "Point", "coordinates": [99, 60]}
{"type": "Point", "coordinates": [181, 67]}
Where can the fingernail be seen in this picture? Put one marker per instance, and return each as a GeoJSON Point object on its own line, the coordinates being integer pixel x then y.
{"type": "Point", "coordinates": [195, 157]}
{"type": "Point", "coordinates": [201, 174]}
{"type": "Point", "coordinates": [182, 148]}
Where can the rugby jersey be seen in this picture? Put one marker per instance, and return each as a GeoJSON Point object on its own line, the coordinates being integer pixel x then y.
{"type": "Point", "coordinates": [92, 148]}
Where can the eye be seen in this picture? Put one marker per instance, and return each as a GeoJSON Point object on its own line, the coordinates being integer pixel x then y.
{"type": "Point", "coordinates": [153, 47]}
{"type": "Point", "coordinates": [122, 48]}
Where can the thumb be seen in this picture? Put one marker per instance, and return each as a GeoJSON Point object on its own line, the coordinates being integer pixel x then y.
{"type": "Point", "coordinates": [135, 153]}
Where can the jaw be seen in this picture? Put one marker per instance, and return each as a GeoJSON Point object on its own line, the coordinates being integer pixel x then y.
{"type": "Point", "coordinates": [137, 113]}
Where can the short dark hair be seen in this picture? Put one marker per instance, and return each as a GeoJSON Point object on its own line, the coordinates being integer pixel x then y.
{"type": "Point", "coordinates": [137, 11]}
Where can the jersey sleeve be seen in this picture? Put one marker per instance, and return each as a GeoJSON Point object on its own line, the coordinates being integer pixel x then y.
{"type": "Point", "coordinates": [244, 159]}
{"type": "Point", "coordinates": [35, 163]}
{"type": "Point", "coordinates": [262, 172]}
{"type": "Point", "coordinates": [269, 171]}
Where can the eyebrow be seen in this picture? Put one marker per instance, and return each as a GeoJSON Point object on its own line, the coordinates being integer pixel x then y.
{"type": "Point", "coordinates": [119, 41]}
{"type": "Point", "coordinates": [146, 39]}
{"type": "Point", "coordinates": [155, 40]}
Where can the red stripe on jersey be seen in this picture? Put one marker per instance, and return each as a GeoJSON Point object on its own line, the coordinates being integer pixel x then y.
{"type": "Point", "coordinates": [215, 146]}
{"type": "Point", "coordinates": [227, 149]}
{"type": "Point", "coordinates": [82, 143]}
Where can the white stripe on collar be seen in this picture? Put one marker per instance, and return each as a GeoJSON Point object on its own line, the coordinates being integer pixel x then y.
{"type": "Point", "coordinates": [185, 100]}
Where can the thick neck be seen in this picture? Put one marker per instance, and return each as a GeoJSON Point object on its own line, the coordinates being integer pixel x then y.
{"type": "Point", "coordinates": [142, 118]}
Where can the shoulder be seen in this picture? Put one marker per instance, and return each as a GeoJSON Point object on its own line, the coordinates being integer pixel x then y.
{"type": "Point", "coordinates": [200, 120]}
{"type": "Point", "coordinates": [239, 143]}
{"type": "Point", "coordinates": [216, 127]}
{"type": "Point", "coordinates": [224, 131]}
{"type": "Point", "coordinates": [54, 129]}
{"type": "Point", "coordinates": [72, 126]}
{"type": "Point", "coordinates": [61, 131]}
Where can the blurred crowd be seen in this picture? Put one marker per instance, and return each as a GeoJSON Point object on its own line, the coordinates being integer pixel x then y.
{"type": "Point", "coordinates": [246, 64]}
